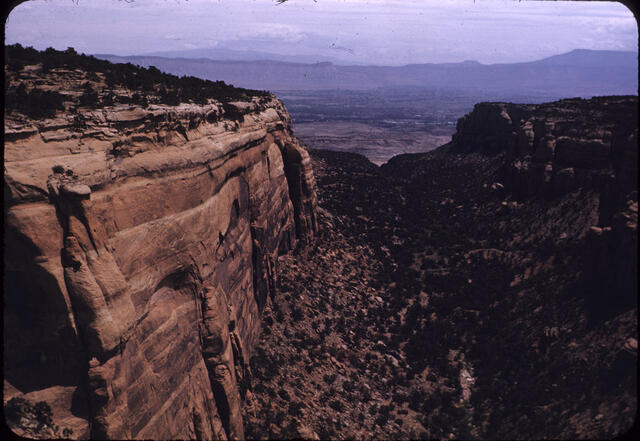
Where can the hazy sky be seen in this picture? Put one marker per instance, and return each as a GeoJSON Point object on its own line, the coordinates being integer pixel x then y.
{"type": "Point", "coordinates": [369, 31]}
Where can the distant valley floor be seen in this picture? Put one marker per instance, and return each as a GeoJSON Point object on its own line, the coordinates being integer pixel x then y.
{"type": "Point", "coordinates": [376, 142]}
{"type": "Point", "coordinates": [381, 123]}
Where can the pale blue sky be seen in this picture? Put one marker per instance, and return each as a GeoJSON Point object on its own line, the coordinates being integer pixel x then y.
{"type": "Point", "coordinates": [362, 31]}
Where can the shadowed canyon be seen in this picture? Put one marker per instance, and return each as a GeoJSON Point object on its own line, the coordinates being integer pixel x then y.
{"type": "Point", "coordinates": [178, 265]}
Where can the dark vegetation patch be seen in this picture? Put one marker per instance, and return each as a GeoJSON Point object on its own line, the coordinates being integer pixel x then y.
{"type": "Point", "coordinates": [35, 103]}
{"type": "Point", "coordinates": [33, 419]}
{"type": "Point", "coordinates": [147, 84]}
{"type": "Point", "coordinates": [422, 273]}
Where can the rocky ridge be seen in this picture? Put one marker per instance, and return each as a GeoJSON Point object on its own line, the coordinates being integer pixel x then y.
{"type": "Point", "coordinates": [557, 147]}
{"type": "Point", "coordinates": [142, 244]}
{"type": "Point", "coordinates": [553, 149]}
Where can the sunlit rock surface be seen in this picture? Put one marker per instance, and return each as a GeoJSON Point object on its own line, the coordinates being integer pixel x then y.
{"type": "Point", "coordinates": [141, 247]}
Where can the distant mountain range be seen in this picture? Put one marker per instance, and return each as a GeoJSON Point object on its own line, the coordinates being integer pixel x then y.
{"type": "Point", "coordinates": [220, 53]}
{"type": "Point", "coordinates": [582, 73]}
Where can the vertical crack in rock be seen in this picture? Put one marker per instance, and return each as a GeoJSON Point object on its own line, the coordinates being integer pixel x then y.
{"type": "Point", "coordinates": [99, 300]}
{"type": "Point", "coordinates": [220, 361]}
{"type": "Point", "coordinates": [97, 288]}
{"type": "Point", "coordinates": [297, 167]}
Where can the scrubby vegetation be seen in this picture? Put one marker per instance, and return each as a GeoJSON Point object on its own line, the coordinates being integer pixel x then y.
{"type": "Point", "coordinates": [103, 79]}
{"type": "Point", "coordinates": [433, 306]}
{"type": "Point", "coordinates": [33, 420]}
{"type": "Point", "coordinates": [35, 103]}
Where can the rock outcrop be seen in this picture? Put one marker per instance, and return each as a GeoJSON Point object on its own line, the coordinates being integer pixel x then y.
{"type": "Point", "coordinates": [141, 247]}
{"type": "Point", "coordinates": [555, 148]}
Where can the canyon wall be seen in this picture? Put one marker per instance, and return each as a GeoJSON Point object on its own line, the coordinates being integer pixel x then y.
{"type": "Point", "coordinates": [557, 147]}
{"type": "Point", "coordinates": [553, 149]}
{"type": "Point", "coordinates": [141, 245]}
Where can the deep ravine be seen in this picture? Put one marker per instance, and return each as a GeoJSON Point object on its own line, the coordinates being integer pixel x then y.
{"type": "Point", "coordinates": [436, 306]}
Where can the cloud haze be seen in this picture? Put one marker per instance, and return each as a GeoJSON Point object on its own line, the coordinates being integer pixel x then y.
{"type": "Point", "coordinates": [357, 31]}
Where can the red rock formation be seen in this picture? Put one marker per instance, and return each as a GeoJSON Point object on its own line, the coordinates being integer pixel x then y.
{"type": "Point", "coordinates": [140, 250]}
{"type": "Point", "coordinates": [554, 148]}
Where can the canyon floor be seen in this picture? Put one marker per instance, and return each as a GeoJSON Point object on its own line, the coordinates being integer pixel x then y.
{"type": "Point", "coordinates": [435, 305]}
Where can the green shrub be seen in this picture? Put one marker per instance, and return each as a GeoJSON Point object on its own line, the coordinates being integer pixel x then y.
{"type": "Point", "coordinates": [173, 89]}
{"type": "Point", "coordinates": [35, 103]}
{"type": "Point", "coordinates": [329, 378]}
{"type": "Point", "coordinates": [43, 413]}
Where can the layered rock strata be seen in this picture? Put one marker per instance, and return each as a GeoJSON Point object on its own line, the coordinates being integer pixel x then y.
{"type": "Point", "coordinates": [141, 248]}
{"type": "Point", "coordinates": [556, 148]}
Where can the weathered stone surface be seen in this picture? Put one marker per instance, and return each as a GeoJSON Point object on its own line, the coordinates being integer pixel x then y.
{"type": "Point", "coordinates": [78, 190]}
{"type": "Point", "coordinates": [140, 252]}
{"type": "Point", "coordinates": [570, 146]}
{"type": "Point", "coordinates": [573, 146]}
{"type": "Point", "coordinates": [554, 148]}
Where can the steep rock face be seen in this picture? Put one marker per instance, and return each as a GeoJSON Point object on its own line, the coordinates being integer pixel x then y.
{"type": "Point", "coordinates": [141, 247]}
{"type": "Point", "coordinates": [553, 149]}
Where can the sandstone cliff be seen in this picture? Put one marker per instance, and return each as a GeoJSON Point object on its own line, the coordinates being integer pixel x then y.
{"type": "Point", "coordinates": [141, 247]}
{"type": "Point", "coordinates": [553, 149]}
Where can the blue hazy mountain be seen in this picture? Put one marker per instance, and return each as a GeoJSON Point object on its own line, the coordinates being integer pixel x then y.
{"type": "Point", "coordinates": [246, 55]}
{"type": "Point", "coordinates": [579, 73]}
